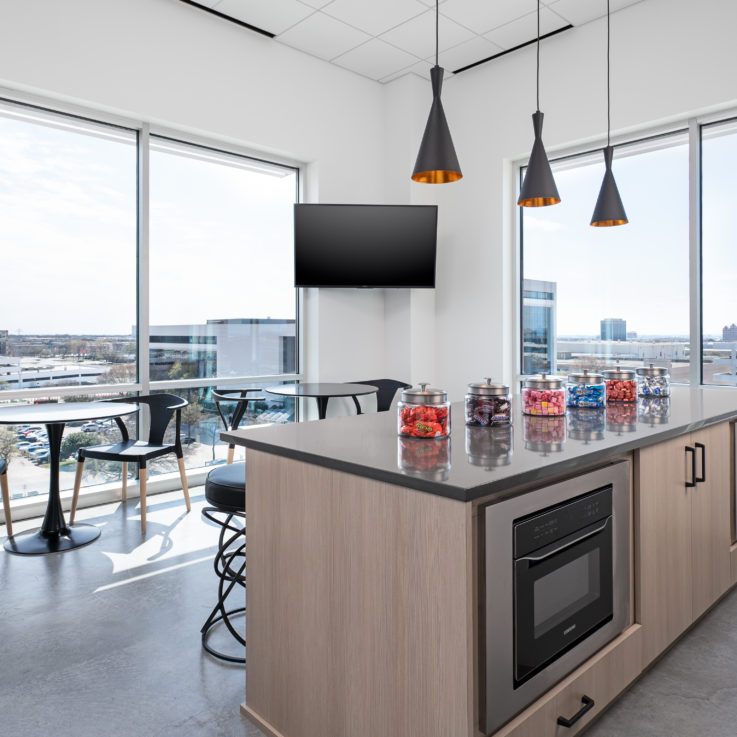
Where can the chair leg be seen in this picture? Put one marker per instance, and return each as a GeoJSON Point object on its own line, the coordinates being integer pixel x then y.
{"type": "Point", "coordinates": [185, 489]}
{"type": "Point", "coordinates": [77, 484]}
{"type": "Point", "coordinates": [231, 453]}
{"type": "Point", "coordinates": [125, 481]}
{"type": "Point", "coordinates": [6, 503]}
{"type": "Point", "coordinates": [142, 487]}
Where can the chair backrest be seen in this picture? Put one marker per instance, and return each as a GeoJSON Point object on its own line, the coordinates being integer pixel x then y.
{"type": "Point", "coordinates": [387, 389]}
{"type": "Point", "coordinates": [240, 398]}
{"type": "Point", "coordinates": [162, 407]}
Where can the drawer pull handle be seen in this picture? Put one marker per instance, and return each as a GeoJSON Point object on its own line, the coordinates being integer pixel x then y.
{"type": "Point", "coordinates": [588, 704]}
{"type": "Point", "coordinates": [692, 451]}
{"type": "Point", "coordinates": [702, 478]}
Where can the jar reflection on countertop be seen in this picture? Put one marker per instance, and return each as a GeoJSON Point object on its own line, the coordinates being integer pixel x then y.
{"type": "Point", "coordinates": [621, 418]}
{"type": "Point", "coordinates": [653, 410]}
{"type": "Point", "coordinates": [489, 447]}
{"type": "Point", "coordinates": [425, 458]}
{"type": "Point", "coordinates": [586, 424]}
{"type": "Point", "coordinates": [544, 434]}
{"type": "Point", "coordinates": [488, 404]}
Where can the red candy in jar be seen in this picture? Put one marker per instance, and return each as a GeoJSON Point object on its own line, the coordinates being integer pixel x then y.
{"type": "Point", "coordinates": [424, 413]}
{"type": "Point", "coordinates": [621, 385]}
{"type": "Point", "coordinates": [544, 395]}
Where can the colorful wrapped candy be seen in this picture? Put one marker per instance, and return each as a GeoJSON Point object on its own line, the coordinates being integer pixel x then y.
{"type": "Point", "coordinates": [488, 405]}
{"type": "Point", "coordinates": [543, 395]}
{"type": "Point", "coordinates": [621, 385]}
{"type": "Point", "coordinates": [424, 413]}
{"type": "Point", "coordinates": [653, 381]}
{"type": "Point", "coordinates": [586, 390]}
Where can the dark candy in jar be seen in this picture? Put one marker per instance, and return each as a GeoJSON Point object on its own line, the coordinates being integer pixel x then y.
{"type": "Point", "coordinates": [488, 411]}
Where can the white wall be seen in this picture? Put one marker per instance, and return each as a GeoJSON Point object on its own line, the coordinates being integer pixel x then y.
{"type": "Point", "coordinates": [170, 64]}
{"type": "Point", "coordinates": [669, 58]}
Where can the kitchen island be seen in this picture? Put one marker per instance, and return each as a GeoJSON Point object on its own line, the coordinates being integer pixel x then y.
{"type": "Point", "coordinates": [365, 560]}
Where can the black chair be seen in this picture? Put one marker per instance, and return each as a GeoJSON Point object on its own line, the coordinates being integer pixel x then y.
{"type": "Point", "coordinates": [385, 396]}
{"type": "Point", "coordinates": [6, 495]}
{"type": "Point", "coordinates": [240, 399]}
{"type": "Point", "coordinates": [225, 490]}
{"type": "Point", "coordinates": [162, 408]}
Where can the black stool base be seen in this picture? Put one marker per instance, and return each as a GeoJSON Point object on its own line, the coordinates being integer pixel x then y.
{"type": "Point", "coordinates": [40, 543]}
{"type": "Point", "coordinates": [207, 630]}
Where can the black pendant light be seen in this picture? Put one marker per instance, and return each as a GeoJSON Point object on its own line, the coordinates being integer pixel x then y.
{"type": "Point", "coordinates": [609, 209]}
{"type": "Point", "coordinates": [437, 162]}
{"type": "Point", "coordinates": [538, 187]}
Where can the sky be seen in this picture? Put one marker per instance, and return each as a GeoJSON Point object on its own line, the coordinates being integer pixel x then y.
{"type": "Point", "coordinates": [220, 236]}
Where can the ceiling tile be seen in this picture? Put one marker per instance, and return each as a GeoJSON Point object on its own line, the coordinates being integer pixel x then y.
{"type": "Point", "coordinates": [524, 29]}
{"type": "Point", "coordinates": [579, 12]}
{"type": "Point", "coordinates": [477, 49]}
{"type": "Point", "coordinates": [375, 59]}
{"type": "Point", "coordinates": [421, 69]}
{"type": "Point", "coordinates": [481, 16]}
{"type": "Point", "coordinates": [316, 3]}
{"type": "Point", "coordinates": [274, 16]}
{"type": "Point", "coordinates": [374, 16]}
{"type": "Point", "coordinates": [323, 36]}
{"type": "Point", "coordinates": [417, 36]}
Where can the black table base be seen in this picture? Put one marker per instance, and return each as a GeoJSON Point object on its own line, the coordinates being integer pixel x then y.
{"type": "Point", "coordinates": [39, 543]}
{"type": "Point", "coordinates": [54, 536]}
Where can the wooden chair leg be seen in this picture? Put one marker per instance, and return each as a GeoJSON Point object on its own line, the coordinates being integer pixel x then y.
{"type": "Point", "coordinates": [77, 484]}
{"type": "Point", "coordinates": [6, 503]}
{"type": "Point", "coordinates": [231, 453]}
{"type": "Point", "coordinates": [125, 481]}
{"type": "Point", "coordinates": [185, 489]}
{"type": "Point", "coordinates": [142, 487]}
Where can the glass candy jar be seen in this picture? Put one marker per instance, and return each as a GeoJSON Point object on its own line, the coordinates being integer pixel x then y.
{"type": "Point", "coordinates": [586, 424]}
{"type": "Point", "coordinates": [544, 434]}
{"type": "Point", "coordinates": [488, 405]}
{"type": "Point", "coordinates": [653, 381]}
{"type": "Point", "coordinates": [621, 417]}
{"type": "Point", "coordinates": [423, 413]}
{"type": "Point", "coordinates": [621, 385]}
{"type": "Point", "coordinates": [543, 395]}
{"type": "Point", "coordinates": [426, 459]}
{"type": "Point", "coordinates": [489, 447]}
{"type": "Point", "coordinates": [586, 390]}
{"type": "Point", "coordinates": [653, 410]}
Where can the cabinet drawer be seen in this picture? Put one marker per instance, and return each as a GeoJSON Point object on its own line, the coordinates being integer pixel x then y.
{"type": "Point", "coordinates": [601, 678]}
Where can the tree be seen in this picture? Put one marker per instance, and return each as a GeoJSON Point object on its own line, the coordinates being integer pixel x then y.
{"type": "Point", "coordinates": [191, 415]}
{"type": "Point", "coordinates": [8, 446]}
{"type": "Point", "coordinates": [120, 373]}
{"type": "Point", "coordinates": [76, 440]}
{"type": "Point", "coordinates": [183, 370]}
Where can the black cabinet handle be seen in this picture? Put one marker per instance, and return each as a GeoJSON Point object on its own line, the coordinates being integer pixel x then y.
{"type": "Point", "coordinates": [692, 451]}
{"type": "Point", "coordinates": [700, 479]}
{"type": "Point", "coordinates": [588, 704]}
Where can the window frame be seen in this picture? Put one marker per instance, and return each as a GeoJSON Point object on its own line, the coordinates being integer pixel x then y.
{"type": "Point", "coordinates": [98, 494]}
{"type": "Point", "coordinates": [692, 127]}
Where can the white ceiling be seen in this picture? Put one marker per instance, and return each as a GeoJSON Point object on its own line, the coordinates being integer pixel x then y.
{"type": "Point", "coordinates": [385, 39]}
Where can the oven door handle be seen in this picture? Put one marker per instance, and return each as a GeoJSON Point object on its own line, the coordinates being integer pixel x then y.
{"type": "Point", "coordinates": [551, 551]}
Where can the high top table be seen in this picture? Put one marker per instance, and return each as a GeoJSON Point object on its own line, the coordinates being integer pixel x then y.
{"type": "Point", "coordinates": [321, 392]}
{"type": "Point", "coordinates": [55, 536]}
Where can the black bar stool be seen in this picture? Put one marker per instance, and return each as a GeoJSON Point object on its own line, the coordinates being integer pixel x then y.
{"type": "Point", "coordinates": [240, 400]}
{"type": "Point", "coordinates": [225, 490]}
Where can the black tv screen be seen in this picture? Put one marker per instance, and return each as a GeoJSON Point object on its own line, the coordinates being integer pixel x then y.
{"type": "Point", "coordinates": [380, 246]}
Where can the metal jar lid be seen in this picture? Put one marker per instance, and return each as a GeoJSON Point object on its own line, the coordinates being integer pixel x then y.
{"type": "Point", "coordinates": [488, 389]}
{"type": "Point", "coordinates": [584, 377]}
{"type": "Point", "coordinates": [423, 395]}
{"type": "Point", "coordinates": [619, 374]}
{"type": "Point", "coordinates": [652, 370]}
{"type": "Point", "coordinates": [543, 382]}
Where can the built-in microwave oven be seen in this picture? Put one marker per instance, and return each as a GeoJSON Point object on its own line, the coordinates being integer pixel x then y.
{"type": "Point", "coordinates": [557, 585]}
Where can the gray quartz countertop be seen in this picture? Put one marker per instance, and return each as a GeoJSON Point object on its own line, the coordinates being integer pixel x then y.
{"type": "Point", "coordinates": [477, 462]}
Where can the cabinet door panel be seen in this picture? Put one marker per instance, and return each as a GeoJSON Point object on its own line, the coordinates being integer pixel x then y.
{"type": "Point", "coordinates": [663, 544]}
{"type": "Point", "coordinates": [710, 512]}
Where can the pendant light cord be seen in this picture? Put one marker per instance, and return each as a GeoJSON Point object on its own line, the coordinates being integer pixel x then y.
{"type": "Point", "coordinates": [608, 78]}
{"type": "Point", "coordinates": [437, 31]}
{"type": "Point", "coordinates": [538, 55]}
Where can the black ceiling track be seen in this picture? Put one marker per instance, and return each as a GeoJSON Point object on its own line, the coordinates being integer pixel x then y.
{"type": "Point", "coordinates": [509, 51]}
{"type": "Point", "coordinates": [212, 11]}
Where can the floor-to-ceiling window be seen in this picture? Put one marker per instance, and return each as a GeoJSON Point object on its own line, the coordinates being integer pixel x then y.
{"type": "Point", "coordinates": [592, 297]}
{"type": "Point", "coordinates": [100, 223]}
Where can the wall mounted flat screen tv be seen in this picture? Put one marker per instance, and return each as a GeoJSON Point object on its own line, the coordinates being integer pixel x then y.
{"type": "Point", "coordinates": [380, 246]}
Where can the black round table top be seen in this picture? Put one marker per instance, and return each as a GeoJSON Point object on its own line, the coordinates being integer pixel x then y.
{"type": "Point", "coordinates": [321, 390]}
{"type": "Point", "coordinates": [52, 413]}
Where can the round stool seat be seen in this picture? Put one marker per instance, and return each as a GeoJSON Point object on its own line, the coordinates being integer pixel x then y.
{"type": "Point", "coordinates": [225, 487]}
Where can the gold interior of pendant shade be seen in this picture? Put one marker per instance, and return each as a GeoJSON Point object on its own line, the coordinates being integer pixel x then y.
{"type": "Point", "coordinates": [607, 223]}
{"type": "Point", "coordinates": [539, 201]}
{"type": "Point", "coordinates": [439, 176]}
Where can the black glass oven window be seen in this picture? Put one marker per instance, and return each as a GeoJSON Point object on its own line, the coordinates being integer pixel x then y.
{"type": "Point", "coordinates": [565, 590]}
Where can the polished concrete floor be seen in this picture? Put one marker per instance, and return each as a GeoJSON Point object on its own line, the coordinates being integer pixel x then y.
{"type": "Point", "coordinates": [105, 640]}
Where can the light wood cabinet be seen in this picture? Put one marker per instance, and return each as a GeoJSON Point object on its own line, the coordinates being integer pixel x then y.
{"type": "Point", "coordinates": [682, 533]}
